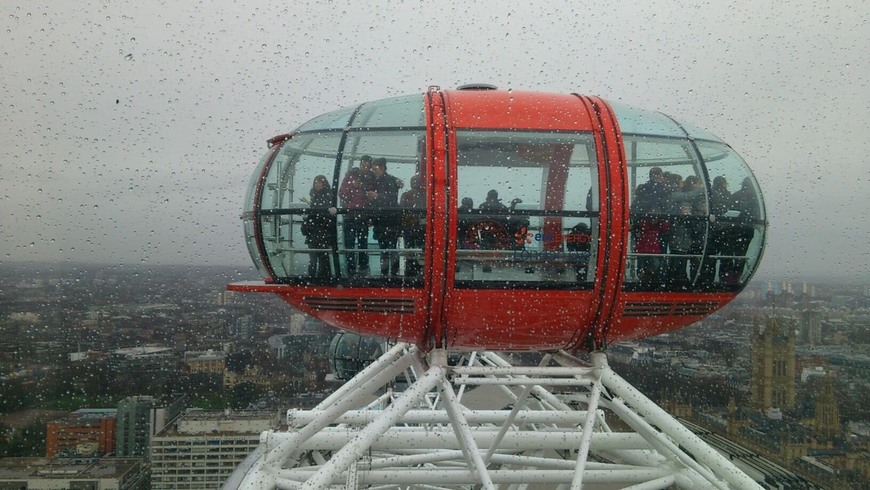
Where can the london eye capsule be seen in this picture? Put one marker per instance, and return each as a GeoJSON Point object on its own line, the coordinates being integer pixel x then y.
{"type": "Point", "coordinates": [479, 218]}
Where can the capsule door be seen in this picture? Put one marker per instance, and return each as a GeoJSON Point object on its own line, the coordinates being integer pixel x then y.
{"type": "Point", "coordinates": [524, 209]}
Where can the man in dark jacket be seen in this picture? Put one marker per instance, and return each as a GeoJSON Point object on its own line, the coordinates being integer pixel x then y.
{"type": "Point", "coordinates": [384, 202]}
{"type": "Point", "coordinates": [652, 194]}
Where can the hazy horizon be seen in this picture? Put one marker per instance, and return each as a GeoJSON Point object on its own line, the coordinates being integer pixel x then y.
{"type": "Point", "coordinates": [253, 275]}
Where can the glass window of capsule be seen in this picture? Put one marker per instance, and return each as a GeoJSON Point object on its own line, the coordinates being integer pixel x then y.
{"type": "Point", "coordinates": [343, 199]}
{"type": "Point", "coordinates": [696, 215]}
{"type": "Point", "coordinates": [528, 209]}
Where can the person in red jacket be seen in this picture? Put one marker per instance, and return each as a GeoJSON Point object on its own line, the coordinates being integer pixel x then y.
{"type": "Point", "coordinates": [355, 228]}
{"type": "Point", "coordinates": [648, 232]}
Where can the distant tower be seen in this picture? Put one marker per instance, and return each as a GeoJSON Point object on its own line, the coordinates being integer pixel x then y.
{"type": "Point", "coordinates": [139, 418]}
{"type": "Point", "coordinates": [773, 366]}
{"type": "Point", "coordinates": [133, 429]}
{"type": "Point", "coordinates": [243, 327]}
{"type": "Point", "coordinates": [733, 421]}
{"type": "Point", "coordinates": [827, 419]}
{"type": "Point", "coordinates": [811, 327]}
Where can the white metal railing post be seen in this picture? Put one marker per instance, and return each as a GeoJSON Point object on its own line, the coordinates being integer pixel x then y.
{"type": "Point", "coordinates": [600, 362]}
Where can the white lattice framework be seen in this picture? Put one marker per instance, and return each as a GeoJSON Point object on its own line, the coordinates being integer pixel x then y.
{"type": "Point", "coordinates": [565, 424]}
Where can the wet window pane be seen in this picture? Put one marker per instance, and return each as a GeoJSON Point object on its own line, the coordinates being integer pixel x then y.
{"type": "Point", "coordinates": [528, 209]}
{"type": "Point", "coordinates": [352, 227]}
{"type": "Point", "coordinates": [687, 233]}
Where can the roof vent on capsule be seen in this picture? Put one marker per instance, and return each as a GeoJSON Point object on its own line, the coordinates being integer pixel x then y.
{"type": "Point", "coordinates": [477, 86]}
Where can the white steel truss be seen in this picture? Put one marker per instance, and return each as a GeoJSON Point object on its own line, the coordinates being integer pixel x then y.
{"type": "Point", "coordinates": [564, 424]}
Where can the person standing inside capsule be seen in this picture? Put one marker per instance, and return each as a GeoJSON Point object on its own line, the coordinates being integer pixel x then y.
{"type": "Point", "coordinates": [355, 227]}
{"type": "Point", "coordinates": [318, 227]}
{"type": "Point", "coordinates": [464, 222]}
{"type": "Point", "coordinates": [413, 229]}
{"type": "Point", "coordinates": [652, 194]}
{"type": "Point", "coordinates": [719, 242]}
{"type": "Point", "coordinates": [746, 202]}
{"type": "Point", "coordinates": [384, 201]}
{"type": "Point", "coordinates": [693, 193]}
{"type": "Point", "coordinates": [489, 238]}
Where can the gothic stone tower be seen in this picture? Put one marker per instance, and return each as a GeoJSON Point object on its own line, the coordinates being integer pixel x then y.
{"type": "Point", "coordinates": [827, 419]}
{"type": "Point", "coordinates": [773, 365]}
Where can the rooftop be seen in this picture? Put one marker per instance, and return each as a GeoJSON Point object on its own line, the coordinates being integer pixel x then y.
{"type": "Point", "coordinates": [65, 468]}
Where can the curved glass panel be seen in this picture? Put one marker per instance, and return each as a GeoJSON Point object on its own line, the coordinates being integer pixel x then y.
{"type": "Point", "coordinates": [637, 121]}
{"type": "Point", "coordinates": [348, 225]}
{"type": "Point", "coordinates": [349, 353]}
{"type": "Point", "coordinates": [687, 233]}
{"type": "Point", "coordinates": [404, 112]}
{"type": "Point", "coordinates": [248, 216]}
{"type": "Point", "coordinates": [668, 214]}
{"type": "Point", "coordinates": [528, 215]}
{"type": "Point", "coordinates": [737, 216]}
{"type": "Point", "coordinates": [297, 228]}
{"type": "Point", "coordinates": [331, 120]}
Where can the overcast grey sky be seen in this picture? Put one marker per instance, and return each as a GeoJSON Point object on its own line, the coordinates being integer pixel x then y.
{"type": "Point", "coordinates": [129, 129]}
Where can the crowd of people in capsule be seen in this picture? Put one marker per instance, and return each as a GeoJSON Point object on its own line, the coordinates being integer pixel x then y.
{"type": "Point", "coordinates": [371, 200]}
{"type": "Point", "coordinates": [365, 192]}
{"type": "Point", "coordinates": [670, 215]}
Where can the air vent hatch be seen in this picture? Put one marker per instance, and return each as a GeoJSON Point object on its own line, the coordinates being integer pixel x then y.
{"type": "Point", "coordinates": [361, 305]}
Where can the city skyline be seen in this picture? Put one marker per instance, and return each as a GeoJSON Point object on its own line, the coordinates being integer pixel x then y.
{"type": "Point", "coordinates": [76, 341]}
{"type": "Point", "coordinates": [130, 130]}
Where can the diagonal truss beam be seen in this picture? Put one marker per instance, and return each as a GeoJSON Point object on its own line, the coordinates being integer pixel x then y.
{"type": "Point", "coordinates": [484, 422]}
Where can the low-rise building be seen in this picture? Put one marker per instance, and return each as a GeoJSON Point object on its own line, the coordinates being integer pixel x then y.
{"type": "Point", "coordinates": [202, 449]}
{"type": "Point", "coordinates": [81, 474]}
{"type": "Point", "coordinates": [205, 362]}
{"type": "Point", "coordinates": [85, 433]}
